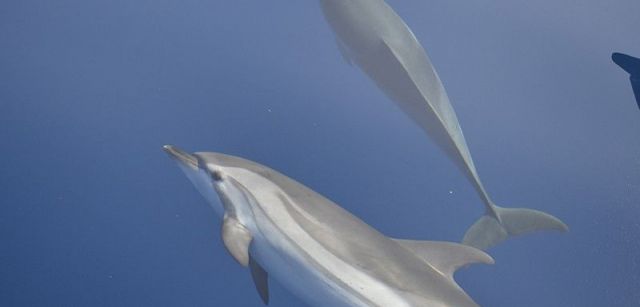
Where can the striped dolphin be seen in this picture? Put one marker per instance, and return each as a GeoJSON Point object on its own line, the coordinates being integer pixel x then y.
{"type": "Point", "coordinates": [372, 36]}
{"type": "Point", "coordinates": [279, 228]}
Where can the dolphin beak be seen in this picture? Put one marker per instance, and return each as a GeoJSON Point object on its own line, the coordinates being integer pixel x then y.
{"type": "Point", "coordinates": [180, 156]}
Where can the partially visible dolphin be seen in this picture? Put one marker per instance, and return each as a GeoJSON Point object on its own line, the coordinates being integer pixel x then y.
{"type": "Point", "coordinates": [316, 249]}
{"type": "Point", "coordinates": [372, 36]}
{"type": "Point", "coordinates": [632, 66]}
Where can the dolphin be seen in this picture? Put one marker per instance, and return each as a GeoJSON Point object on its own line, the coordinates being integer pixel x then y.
{"type": "Point", "coordinates": [279, 228]}
{"type": "Point", "coordinates": [632, 66]}
{"type": "Point", "coordinates": [372, 36]}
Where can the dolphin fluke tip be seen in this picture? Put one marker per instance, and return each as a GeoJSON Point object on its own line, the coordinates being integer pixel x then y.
{"type": "Point", "coordinates": [627, 62]}
{"type": "Point", "coordinates": [618, 58]}
{"type": "Point", "coordinates": [488, 231]}
{"type": "Point", "coordinates": [616, 55]}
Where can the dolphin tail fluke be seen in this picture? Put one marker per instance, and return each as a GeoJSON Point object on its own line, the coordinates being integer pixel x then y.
{"type": "Point", "coordinates": [635, 84]}
{"type": "Point", "coordinates": [489, 230]}
{"type": "Point", "coordinates": [626, 62]}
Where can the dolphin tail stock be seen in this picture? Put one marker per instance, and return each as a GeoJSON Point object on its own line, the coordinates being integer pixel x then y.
{"type": "Point", "coordinates": [501, 223]}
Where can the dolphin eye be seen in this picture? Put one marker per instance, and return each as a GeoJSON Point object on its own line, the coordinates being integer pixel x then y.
{"type": "Point", "coordinates": [216, 176]}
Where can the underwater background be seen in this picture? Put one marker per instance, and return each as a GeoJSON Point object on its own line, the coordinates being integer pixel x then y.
{"type": "Point", "coordinates": [93, 212]}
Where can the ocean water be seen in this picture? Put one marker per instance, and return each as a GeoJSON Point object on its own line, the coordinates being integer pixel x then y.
{"type": "Point", "coordinates": [93, 213]}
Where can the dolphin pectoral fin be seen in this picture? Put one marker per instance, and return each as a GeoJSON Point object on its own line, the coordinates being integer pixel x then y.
{"type": "Point", "coordinates": [236, 239]}
{"type": "Point", "coordinates": [260, 280]}
{"type": "Point", "coordinates": [489, 231]}
{"type": "Point", "coordinates": [344, 51]}
{"type": "Point", "coordinates": [446, 257]}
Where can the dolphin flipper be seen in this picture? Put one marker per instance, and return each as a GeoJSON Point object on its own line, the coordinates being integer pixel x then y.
{"type": "Point", "coordinates": [489, 231]}
{"type": "Point", "coordinates": [344, 51]}
{"type": "Point", "coordinates": [236, 239]}
{"type": "Point", "coordinates": [260, 280]}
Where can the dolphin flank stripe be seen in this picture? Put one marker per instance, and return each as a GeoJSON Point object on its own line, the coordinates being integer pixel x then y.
{"type": "Point", "coordinates": [356, 277]}
{"type": "Point", "coordinates": [327, 262]}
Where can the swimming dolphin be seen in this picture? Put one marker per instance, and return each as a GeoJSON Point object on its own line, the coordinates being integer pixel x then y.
{"type": "Point", "coordinates": [632, 66]}
{"type": "Point", "coordinates": [278, 227]}
{"type": "Point", "coordinates": [371, 35]}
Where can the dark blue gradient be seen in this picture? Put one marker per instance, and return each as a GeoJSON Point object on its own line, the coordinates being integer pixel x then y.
{"type": "Point", "coordinates": [93, 213]}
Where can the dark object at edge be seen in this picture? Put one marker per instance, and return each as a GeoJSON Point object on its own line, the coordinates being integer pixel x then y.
{"type": "Point", "coordinates": [632, 66]}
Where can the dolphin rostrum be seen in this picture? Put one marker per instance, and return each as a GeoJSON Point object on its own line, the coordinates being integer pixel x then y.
{"type": "Point", "coordinates": [632, 66]}
{"type": "Point", "coordinates": [277, 227]}
{"type": "Point", "coordinates": [371, 35]}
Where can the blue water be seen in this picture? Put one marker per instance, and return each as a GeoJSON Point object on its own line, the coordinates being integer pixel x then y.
{"type": "Point", "coordinates": [93, 213]}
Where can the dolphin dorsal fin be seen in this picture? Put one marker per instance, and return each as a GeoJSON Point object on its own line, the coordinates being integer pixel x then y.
{"type": "Point", "coordinates": [236, 239]}
{"type": "Point", "coordinates": [446, 257]}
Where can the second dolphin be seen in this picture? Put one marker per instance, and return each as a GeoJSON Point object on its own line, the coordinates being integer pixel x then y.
{"type": "Point", "coordinates": [371, 35]}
